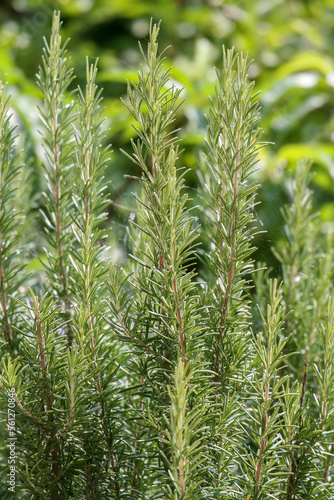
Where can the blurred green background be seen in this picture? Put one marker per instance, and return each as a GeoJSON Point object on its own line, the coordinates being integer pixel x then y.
{"type": "Point", "coordinates": [291, 42]}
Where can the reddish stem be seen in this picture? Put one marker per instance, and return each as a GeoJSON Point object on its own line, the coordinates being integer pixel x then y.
{"type": "Point", "coordinates": [296, 457]}
{"type": "Point", "coordinates": [7, 328]}
{"type": "Point", "coordinates": [263, 440]}
{"type": "Point", "coordinates": [326, 473]}
{"type": "Point", "coordinates": [48, 396]}
{"type": "Point", "coordinates": [180, 322]}
{"type": "Point", "coordinates": [230, 272]}
{"type": "Point", "coordinates": [57, 188]}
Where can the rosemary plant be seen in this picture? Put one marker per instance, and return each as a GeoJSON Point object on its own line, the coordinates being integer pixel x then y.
{"type": "Point", "coordinates": [228, 200]}
{"type": "Point", "coordinates": [146, 381]}
{"type": "Point", "coordinates": [233, 142]}
{"type": "Point", "coordinates": [65, 374]}
{"type": "Point", "coordinates": [54, 78]}
{"type": "Point", "coordinates": [10, 220]}
{"type": "Point", "coordinates": [306, 257]}
{"type": "Point", "coordinates": [163, 324]}
{"type": "Point", "coordinates": [93, 341]}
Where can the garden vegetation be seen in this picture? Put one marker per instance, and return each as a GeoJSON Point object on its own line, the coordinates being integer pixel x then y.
{"type": "Point", "coordinates": [189, 372]}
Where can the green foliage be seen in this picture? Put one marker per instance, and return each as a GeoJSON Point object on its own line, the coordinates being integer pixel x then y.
{"type": "Point", "coordinates": [10, 219]}
{"type": "Point", "coordinates": [149, 380]}
{"type": "Point", "coordinates": [264, 466]}
{"type": "Point", "coordinates": [233, 142]}
{"type": "Point", "coordinates": [54, 78]}
{"type": "Point", "coordinates": [291, 43]}
{"type": "Point", "coordinates": [306, 259]}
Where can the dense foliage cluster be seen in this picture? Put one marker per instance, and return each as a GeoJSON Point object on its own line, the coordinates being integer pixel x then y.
{"type": "Point", "coordinates": [153, 379]}
{"type": "Point", "coordinates": [291, 42]}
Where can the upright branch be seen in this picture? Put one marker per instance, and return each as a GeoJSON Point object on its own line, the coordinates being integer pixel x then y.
{"type": "Point", "coordinates": [298, 218]}
{"type": "Point", "coordinates": [164, 325]}
{"type": "Point", "coordinates": [264, 423]}
{"type": "Point", "coordinates": [9, 219]}
{"type": "Point", "coordinates": [296, 449]}
{"type": "Point", "coordinates": [308, 434]}
{"type": "Point", "coordinates": [233, 143]}
{"type": "Point", "coordinates": [41, 324]}
{"type": "Point", "coordinates": [184, 437]}
{"type": "Point", "coordinates": [90, 202]}
{"type": "Point", "coordinates": [153, 104]}
{"type": "Point", "coordinates": [90, 198]}
{"type": "Point", "coordinates": [54, 79]}
{"type": "Point", "coordinates": [306, 271]}
{"type": "Point", "coordinates": [325, 373]}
